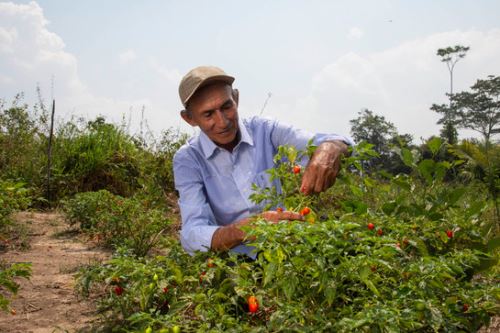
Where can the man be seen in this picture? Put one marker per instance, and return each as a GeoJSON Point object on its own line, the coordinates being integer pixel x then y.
{"type": "Point", "coordinates": [214, 171]}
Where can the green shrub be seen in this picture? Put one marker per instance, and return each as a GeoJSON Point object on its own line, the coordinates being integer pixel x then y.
{"type": "Point", "coordinates": [8, 286]}
{"type": "Point", "coordinates": [86, 155]}
{"type": "Point", "coordinates": [98, 156]}
{"type": "Point", "coordinates": [23, 144]}
{"type": "Point", "coordinates": [13, 197]}
{"type": "Point", "coordinates": [117, 221]}
{"type": "Point", "coordinates": [412, 258]}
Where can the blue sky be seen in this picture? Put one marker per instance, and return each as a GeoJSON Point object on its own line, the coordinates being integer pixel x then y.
{"type": "Point", "coordinates": [322, 61]}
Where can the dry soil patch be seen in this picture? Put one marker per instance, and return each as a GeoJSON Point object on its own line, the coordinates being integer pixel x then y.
{"type": "Point", "coordinates": [48, 302]}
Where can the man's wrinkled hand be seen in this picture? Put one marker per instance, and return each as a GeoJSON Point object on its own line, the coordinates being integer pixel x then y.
{"type": "Point", "coordinates": [275, 216]}
{"type": "Point", "coordinates": [323, 168]}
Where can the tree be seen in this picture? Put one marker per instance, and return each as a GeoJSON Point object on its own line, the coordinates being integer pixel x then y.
{"type": "Point", "coordinates": [380, 132]}
{"type": "Point", "coordinates": [372, 128]}
{"type": "Point", "coordinates": [479, 109]}
{"type": "Point", "coordinates": [450, 56]}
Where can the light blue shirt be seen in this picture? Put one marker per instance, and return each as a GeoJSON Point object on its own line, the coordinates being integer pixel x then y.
{"type": "Point", "coordinates": [214, 184]}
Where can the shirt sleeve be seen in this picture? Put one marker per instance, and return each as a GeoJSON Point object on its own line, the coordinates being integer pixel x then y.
{"type": "Point", "coordinates": [286, 134]}
{"type": "Point", "coordinates": [198, 220]}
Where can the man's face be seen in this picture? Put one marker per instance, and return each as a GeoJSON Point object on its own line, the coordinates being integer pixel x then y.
{"type": "Point", "coordinates": [214, 109]}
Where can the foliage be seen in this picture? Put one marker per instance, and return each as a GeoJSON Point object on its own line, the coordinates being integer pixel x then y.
{"type": "Point", "coordinates": [483, 163]}
{"type": "Point", "coordinates": [450, 56]}
{"type": "Point", "coordinates": [13, 196]}
{"type": "Point", "coordinates": [86, 155]}
{"type": "Point", "coordinates": [415, 269]}
{"type": "Point", "coordinates": [382, 134]}
{"type": "Point", "coordinates": [117, 221]}
{"type": "Point", "coordinates": [478, 109]}
{"type": "Point", "coordinates": [21, 141]}
{"type": "Point", "coordinates": [374, 129]}
{"type": "Point", "coordinates": [8, 286]}
{"type": "Point", "coordinates": [286, 192]}
{"type": "Point", "coordinates": [160, 169]}
{"type": "Point", "coordinates": [98, 156]}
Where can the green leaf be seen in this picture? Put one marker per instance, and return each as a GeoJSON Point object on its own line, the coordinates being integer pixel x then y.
{"type": "Point", "coordinates": [421, 247]}
{"type": "Point", "coordinates": [434, 145]}
{"type": "Point", "coordinates": [330, 293]}
{"type": "Point", "coordinates": [455, 195]}
{"type": "Point", "coordinates": [493, 243]}
{"type": "Point", "coordinates": [289, 287]}
{"type": "Point", "coordinates": [407, 157]}
{"type": "Point", "coordinates": [356, 190]}
{"type": "Point", "coordinates": [361, 208]}
{"type": "Point", "coordinates": [426, 169]}
{"type": "Point", "coordinates": [389, 207]}
{"type": "Point", "coordinates": [269, 272]}
{"type": "Point", "coordinates": [291, 154]}
{"type": "Point", "coordinates": [402, 182]}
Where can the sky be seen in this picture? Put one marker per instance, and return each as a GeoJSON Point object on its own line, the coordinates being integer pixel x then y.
{"type": "Point", "coordinates": [317, 62]}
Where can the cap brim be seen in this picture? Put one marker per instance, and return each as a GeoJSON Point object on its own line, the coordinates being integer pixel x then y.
{"type": "Point", "coordinates": [221, 78]}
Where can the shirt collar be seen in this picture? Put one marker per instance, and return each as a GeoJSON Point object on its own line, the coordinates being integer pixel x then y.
{"type": "Point", "coordinates": [209, 147]}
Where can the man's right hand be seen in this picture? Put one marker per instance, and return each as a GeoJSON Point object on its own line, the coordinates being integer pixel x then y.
{"type": "Point", "coordinates": [231, 235]}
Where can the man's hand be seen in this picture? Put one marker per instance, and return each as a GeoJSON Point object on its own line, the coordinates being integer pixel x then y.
{"type": "Point", "coordinates": [275, 216]}
{"type": "Point", "coordinates": [231, 235]}
{"type": "Point", "coordinates": [323, 167]}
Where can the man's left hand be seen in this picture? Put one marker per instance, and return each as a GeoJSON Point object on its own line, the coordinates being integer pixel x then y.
{"type": "Point", "coordinates": [323, 167]}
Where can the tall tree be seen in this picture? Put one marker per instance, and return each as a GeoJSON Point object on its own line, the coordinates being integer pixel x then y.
{"type": "Point", "coordinates": [450, 55]}
{"type": "Point", "coordinates": [479, 109]}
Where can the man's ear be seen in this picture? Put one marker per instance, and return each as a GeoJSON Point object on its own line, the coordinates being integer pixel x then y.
{"type": "Point", "coordinates": [236, 96]}
{"type": "Point", "coordinates": [188, 118]}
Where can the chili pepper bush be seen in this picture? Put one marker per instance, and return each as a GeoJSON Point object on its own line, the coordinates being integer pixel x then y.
{"type": "Point", "coordinates": [373, 255]}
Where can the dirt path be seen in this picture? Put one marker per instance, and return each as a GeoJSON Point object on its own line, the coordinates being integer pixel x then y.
{"type": "Point", "coordinates": [47, 302]}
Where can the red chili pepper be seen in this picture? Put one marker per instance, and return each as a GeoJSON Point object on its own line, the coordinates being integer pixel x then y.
{"type": "Point", "coordinates": [210, 263]}
{"type": "Point", "coordinates": [253, 304]}
{"type": "Point", "coordinates": [118, 290]}
{"type": "Point", "coordinates": [304, 211]}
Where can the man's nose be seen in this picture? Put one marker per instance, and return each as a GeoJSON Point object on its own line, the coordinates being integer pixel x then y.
{"type": "Point", "coordinates": [221, 118]}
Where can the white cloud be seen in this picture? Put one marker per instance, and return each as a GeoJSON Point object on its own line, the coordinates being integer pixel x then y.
{"type": "Point", "coordinates": [31, 54]}
{"type": "Point", "coordinates": [172, 75]}
{"type": "Point", "coordinates": [127, 56]}
{"type": "Point", "coordinates": [400, 83]}
{"type": "Point", "coordinates": [355, 33]}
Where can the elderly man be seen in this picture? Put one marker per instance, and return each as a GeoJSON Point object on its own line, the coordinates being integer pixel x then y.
{"type": "Point", "coordinates": [214, 170]}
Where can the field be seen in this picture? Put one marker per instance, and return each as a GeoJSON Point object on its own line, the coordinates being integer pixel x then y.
{"type": "Point", "coordinates": [412, 249]}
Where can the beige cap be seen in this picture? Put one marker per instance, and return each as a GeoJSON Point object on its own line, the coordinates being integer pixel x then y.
{"type": "Point", "coordinates": [199, 77]}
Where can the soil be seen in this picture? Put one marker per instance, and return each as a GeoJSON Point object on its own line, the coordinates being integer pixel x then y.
{"type": "Point", "coordinates": [48, 301]}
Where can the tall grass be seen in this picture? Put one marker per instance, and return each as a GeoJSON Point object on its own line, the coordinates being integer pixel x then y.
{"type": "Point", "coordinates": [88, 155]}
